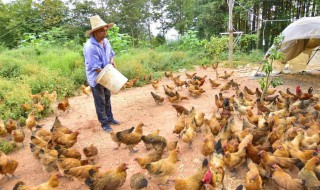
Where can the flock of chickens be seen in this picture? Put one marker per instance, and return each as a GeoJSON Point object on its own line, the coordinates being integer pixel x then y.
{"type": "Point", "coordinates": [277, 141]}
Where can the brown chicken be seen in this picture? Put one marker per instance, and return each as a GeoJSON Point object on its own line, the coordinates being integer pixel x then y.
{"type": "Point", "coordinates": [268, 161]}
{"type": "Point", "coordinates": [249, 91]}
{"type": "Point", "coordinates": [64, 104]}
{"type": "Point", "coordinates": [253, 180]}
{"type": "Point", "coordinates": [18, 135]}
{"type": "Point", "coordinates": [11, 125]}
{"type": "Point", "coordinates": [66, 140]}
{"type": "Point", "coordinates": [86, 90]}
{"type": "Point", "coordinates": [7, 165]}
{"type": "Point", "coordinates": [138, 182]}
{"type": "Point", "coordinates": [52, 183]}
{"type": "Point", "coordinates": [218, 102]}
{"type": "Point", "coordinates": [58, 127]}
{"type": "Point", "coordinates": [155, 86]}
{"type": "Point", "coordinates": [90, 152]}
{"type": "Point", "coordinates": [116, 140]}
{"type": "Point", "coordinates": [284, 180]}
{"type": "Point", "coordinates": [207, 147]}
{"type": "Point", "coordinates": [196, 93]}
{"type": "Point", "coordinates": [111, 179]}
{"type": "Point", "coordinates": [169, 92]}
{"type": "Point", "coordinates": [48, 161]}
{"type": "Point", "coordinates": [190, 76]}
{"type": "Point", "coordinates": [261, 107]}
{"type": "Point", "coordinates": [31, 121]}
{"type": "Point", "coordinates": [131, 139]}
{"type": "Point", "coordinates": [42, 133]}
{"type": "Point", "coordinates": [80, 172]}
{"type": "Point", "coordinates": [303, 156]}
{"type": "Point", "coordinates": [151, 157]}
{"type": "Point", "coordinates": [68, 163]}
{"type": "Point", "coordinates": [164, 168]}
{"type": "Point", "coordinates": [68, 152]}
{"type": "Point", "coordinates": [158, 99]}
{"type": "Point", "coordinates": [180, 109]}
{"type": "Point", "coordinates": [193, 182]}
{"type": "Point", "coordinates": [213, 83]}
{"type": "Point", "coordinates": [180, 124]}
{"type": "Point", "coordinates": [38, 142]}
{"type": "Point", "coordinates": [226, 75]}
{"type": "Point", "coordinates": [153, 139]}
{"type": "Point", "coordinates": [307, 173]}
{"type": "Point", "coordinates": [168, 74]}
{"type": "Point", "coordinates": [3, 130]}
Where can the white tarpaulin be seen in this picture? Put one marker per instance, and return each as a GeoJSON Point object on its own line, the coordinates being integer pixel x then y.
{"type": "Point", "coordinates": [300, 45]}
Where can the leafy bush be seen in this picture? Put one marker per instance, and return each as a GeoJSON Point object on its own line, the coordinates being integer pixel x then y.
{"type": "Point", "coordinates": [216, 48]}
{"type": "Point", "coordinates": [120, 42]}
{"type": "Point", "coordinates": [189, 41]}
{"type": "Point", "coordinates": [7, 146]}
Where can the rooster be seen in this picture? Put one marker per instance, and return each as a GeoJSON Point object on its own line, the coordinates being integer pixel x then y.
{"type": "Point", "coordinates": [86, 90]}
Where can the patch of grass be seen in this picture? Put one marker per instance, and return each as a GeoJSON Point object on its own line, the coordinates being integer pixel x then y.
{"type": "Point", "coordinates": [7, 146]}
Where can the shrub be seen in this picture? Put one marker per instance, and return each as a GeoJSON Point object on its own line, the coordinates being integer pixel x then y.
{"type": "Point", "coordinates": [7, 146]}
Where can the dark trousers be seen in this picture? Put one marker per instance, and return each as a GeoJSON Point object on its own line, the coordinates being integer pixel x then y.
{"type": "Point", "coordinates": [102, 102]}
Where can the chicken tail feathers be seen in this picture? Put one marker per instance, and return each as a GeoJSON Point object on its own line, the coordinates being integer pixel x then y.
{"type": "Point", "coordinates": [19, 185]}
{"type": "Point", "coordinates": [205, 163]}
{"type": "Point", "coordinates": [240, 187]}
{"type": "Point", "coordinates": [89, 183]}
{"type": "Point", "coordinates": [218, 147]}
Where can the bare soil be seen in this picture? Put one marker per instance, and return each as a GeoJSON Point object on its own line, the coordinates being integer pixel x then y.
{"type": "Point", "coordinates": [132, 106]}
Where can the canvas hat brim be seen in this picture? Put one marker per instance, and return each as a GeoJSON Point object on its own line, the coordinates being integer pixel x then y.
{"type": "Point", "coordinates": [107, 27]}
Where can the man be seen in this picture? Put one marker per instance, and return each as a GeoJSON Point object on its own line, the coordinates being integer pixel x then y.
{"type": "Point", "coordinates": [97, 54]}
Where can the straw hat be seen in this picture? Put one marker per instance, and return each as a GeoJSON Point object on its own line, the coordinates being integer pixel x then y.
{"type": "Point", "coordinates": [97, 23]}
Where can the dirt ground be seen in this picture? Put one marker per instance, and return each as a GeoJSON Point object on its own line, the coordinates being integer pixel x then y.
{"type": "Point", "coordinates": [131, 107]}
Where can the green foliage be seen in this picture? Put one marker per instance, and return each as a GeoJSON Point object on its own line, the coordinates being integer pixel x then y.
{"type": "Point", "coordinates": [248, 41]}
{"type": "Point", "coordinates": [189, 41]}
{"type": "Point", "coordinates": [159, 40]}
{"type": "Point", "coordinates": [216, 48]}
{"type": "Point", "coordinates": [120, 42]}
{"type": "Point", "coordinates": [7, 146]}
{"type": "Point", "coordinates": [274, 54]}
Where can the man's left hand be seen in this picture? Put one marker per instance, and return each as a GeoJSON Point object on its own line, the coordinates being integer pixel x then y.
{"type": "Point", "coordinates": [113, 62]}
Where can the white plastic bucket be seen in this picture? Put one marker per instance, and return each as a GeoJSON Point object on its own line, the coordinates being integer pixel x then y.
{"type": "Point", "coordinates": [111, 78]}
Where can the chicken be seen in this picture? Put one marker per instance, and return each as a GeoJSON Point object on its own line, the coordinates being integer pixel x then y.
{"type": "Point", "coordinates": [284, 180]}
{"type": "Point", "coordinates": [3, 130]}
{"type": "Point", "coordinates": [86, 90]}
{"type": "Point", "coordinates": [213, 83]}
{"type": "Point", "coordinates": [180, 124]}
{"type": "Point", "coordinates": [258, 93]}
{"type": "Point", "coordinates": [38, 142]}
{"type": "Point", "coordinates": [90, 152]}
{"type": "Point", "coordinates": [189, 134]}
{"type": "Point", "coordinates": [68, 152]}
{"type": "Point", "coordinates": [18, 135]}
{"type": "Point", "coordinates": [180, 109]}
{"type": "Point", "coordinates": [51, 184]}
{"type": "Point", "coordinates": [226, 75]}
{"type": "Point", "coordinates": [131, 139]}
{"type": "Point", "coordinates": [164, 168]}
{"type": "Point", "coordinates": [253, 180]}
{"type": "Point", "coordinates": [218, 102]}
{"type": "Point", "coordinates": [42, 133]}
{"type": "Point", "coordinates": [304, 96]}
{"type": "Point", "coordinates": [7, 165]}
{"type": "Point", "coordinates": [233, 160]}
{"type": "Point", "coordinates": [270, 91]}
{"type": "Point", "coordinates": [168, 91]}
{"type": "Point", "coordinates": [253, 119]}
{"type": "Point", "coordinates": [158, 99]}
{"type": "Point", "coordinates": [307, 173]}
{"type": "Point", "coordinates": [303, 156]}
{"type": "Point", "coordinates": [116, 140]}
{"type": "Point", "coordinates": [111, 179]}
{"type": "Point", "coordinates": [213, 124]}
{"type": "Point", "coordinates": [225, 87]}
{"type": "Point", "coordinates": [261, 107]}
{"type": "Point", "coordinates": [171, 145]}
{"type": "Point", "coordinates": [138, 182]}
{"type": "Point", "coordinates": [81, 172]}
{"type": "Point", "coordinates": [193, 182]}
{"type": "Point", "coordinates": [207, 147]}
{"type": "Point", "coordinates": [151, 157]}
{"type": "Point", "coordinates": [190, 76]}
{"type": "Point", "coordinates": [48, 161]}
{"type": "Point", "coordinates": [64, 104]}
{"type": "Point", "coordinates": [249, 91]}
{"type": "Point", "coordinates": [196, 93]}
{"type": "Point", "coordinates": [66, 140]}
{"type": "Point", "coordinates": [68, 163]}
{"type": "Point", "coordinates": [51, 97]}
{"type": "Point", "coordinates": [128, 84]}
{"type": "Point", "coordinates": [31, 121]}
{"type": "Point", "coordinates": [242, 110]}
{"type": "Point", "coordinates": [268, 161]}
{"type": "Point", "coordinates": [155, 86]}
{"type": "Point", "coordinates": [11, 125]}
{"type": "Point", "coordinates": [58, 127]}
{"type": "Point", "coordinates": [154, 140]}
{"type": "Point", "coordinates": [282, 151]}
{"type": "Point", "coordinates": [168, 74]}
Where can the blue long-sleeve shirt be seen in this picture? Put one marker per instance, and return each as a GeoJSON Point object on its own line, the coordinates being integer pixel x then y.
{"type": "Point", "coordinates": [96, 56]}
